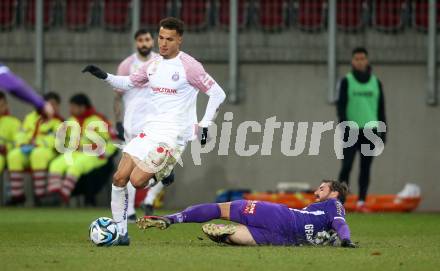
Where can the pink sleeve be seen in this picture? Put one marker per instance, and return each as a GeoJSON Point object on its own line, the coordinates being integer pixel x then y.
{"type": "Point", "coordinates": [140, 77]}
{"type": "Point", "coordinates": [196, 74]}
{"type": "Point", "coordinates": [124, 67]}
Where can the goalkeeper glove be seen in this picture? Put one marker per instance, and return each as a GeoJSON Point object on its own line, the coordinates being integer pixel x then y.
{"type": "Point", "coordinates": [347, 243]}
{"type": "Point", "coordinates": [95, 71]}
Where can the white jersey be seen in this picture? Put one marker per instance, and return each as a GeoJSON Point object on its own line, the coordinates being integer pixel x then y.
{"type": "Point", "coordinates": [173, 85]}
{"type": "Point", "coordinates": [135, 99]}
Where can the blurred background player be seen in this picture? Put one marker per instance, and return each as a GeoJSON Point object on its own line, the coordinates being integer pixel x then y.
{"type": "Point", "coordinates": [135, 115]}
{"type": "Point", "coordinates": [264, 223]}
{"type": "Point", "coordinates": [9, 127]}
{"type": "Point", "coordinates": [63, 172]}
{"type": "Point", "coordinates": [174, 79]}
{"type": "Point", "coordinates": [34, 150]}
{"type": "Point", "coordinates": [361, 100]}
{"type": "Point", "coordinates": [14, 85]}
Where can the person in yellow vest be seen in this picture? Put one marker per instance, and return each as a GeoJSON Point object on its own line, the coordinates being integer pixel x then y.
{"type": "Point", "coordinates": [361, 100]}
{"type": "Point", "coordinates": [34, 149]}
{"type": "Point", "coordinates": [9, 127]}
{"type": "Point", "coordinates": [90, 127]}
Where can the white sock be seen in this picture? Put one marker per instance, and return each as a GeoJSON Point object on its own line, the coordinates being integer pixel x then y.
{"type": "Point", "coordinates": [152, 193]}
{"type": "Point", "coordinates": [131, 198]}
{"type": "Point", "coordinates": [119, 206]}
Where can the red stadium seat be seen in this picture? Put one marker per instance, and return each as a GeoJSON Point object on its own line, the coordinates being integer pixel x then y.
{"type": "Point", "coordinates": [116, 14]}
{"type": "Point", "coordinates": [195, 13]}
{"type": "Point", "coordinates": [349, 14]}
{"type": "Point", "coordinates": [388, 15]}
{"type": "Point", "coordinates": [8, 14]}
{"type": "Point", "coordinates": [421, 16]}
{"type": "Point", "coordinates": [29, 17]}
{"type": "Point", "coordinates": [152, 11]}
{"type": "Point", "coordinates": [78, 14]}
{"type": "Point", "coordinates": [223, 13]}
{"type": "Point", "coordinates": [311, 14]}
{"type": "Point", "coordinates": [271, 14]}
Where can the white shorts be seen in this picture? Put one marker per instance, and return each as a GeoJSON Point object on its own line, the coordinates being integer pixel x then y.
{"type": "Point", "coordinates": [156, 155]}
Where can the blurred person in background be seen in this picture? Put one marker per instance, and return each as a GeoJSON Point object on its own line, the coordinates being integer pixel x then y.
{"type": "Point", "coordinates": [93, 126]}
{"type": "Point", "coordinates": [9, 127]}
{"type": "Point", "coordinates": [361, 100]}
{"type": "Point", "coordinates": [134, 115]}
{"type": "Point", "coordinates": [34, 149]}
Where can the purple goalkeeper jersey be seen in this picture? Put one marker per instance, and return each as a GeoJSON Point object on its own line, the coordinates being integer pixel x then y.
{"type": "Point", "coordinates": [318, 217]}
{"type": "Point", "coordinates": [16, 86]}
{"type": "Point", "coordinates": [276, 224]}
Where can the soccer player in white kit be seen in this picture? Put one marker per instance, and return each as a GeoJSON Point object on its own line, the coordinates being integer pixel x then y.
{"type": "Point", "coordinates": [174, 79]}
{"type": "Point", "coordinates": [134, 118]}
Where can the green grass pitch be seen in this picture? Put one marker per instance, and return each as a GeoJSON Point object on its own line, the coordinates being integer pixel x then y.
{"type": "Point", "coordinates": [56, 239]}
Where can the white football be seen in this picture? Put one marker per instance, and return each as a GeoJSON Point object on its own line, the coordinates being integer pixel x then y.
{"type": "Point", "coordinates": [103, 232]}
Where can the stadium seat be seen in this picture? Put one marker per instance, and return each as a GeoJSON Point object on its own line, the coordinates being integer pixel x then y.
{"type": "Point", "coordinates": [8, 14]}
{"type": "Point", "coordinates": [195, 13]}
{"type": "Point", "coordinates": [78, 14]}
{"type": "Point", "coordinates": [421, 16]}
{"type": "Point", "coordinates": [311, 14]}
{"type": "Point", "coordinates": [388, 15]}
{"type": "Point", "coordinates": [152, 11]}
{"type": "Point", "coordinates": [49, 12]}
{"type": "Point", "coordinates": [271, 14]}
{"type": "Point", "coordinates": [349, 14]}
{"type": "Point", "coordinates": [222, 8]}
{"type": "Point", "coordinates": [116, 14]}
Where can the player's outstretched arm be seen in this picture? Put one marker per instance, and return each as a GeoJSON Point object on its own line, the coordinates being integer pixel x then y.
{"type": "Point", "coordinates": [95, 71]}
{"type": "Point", "coordinates": [116, 81]}
{"type": "Point", "coordinates": [341, 227]}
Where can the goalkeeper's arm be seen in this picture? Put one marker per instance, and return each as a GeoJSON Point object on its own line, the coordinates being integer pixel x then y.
{"type": "Point", "coordinates": [341, 227]}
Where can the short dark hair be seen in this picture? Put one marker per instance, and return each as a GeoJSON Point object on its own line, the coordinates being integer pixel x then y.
{"type": "Point", "coordinates": [141, 32]}
{"type": "Point", "coordinates": [52, 96]}
{"type": "Point", "coordinates": [2, 96]}
{"type": "Point", "coordinates": [81, 99]}
{"type": "Point", "coordinates": [172, 24]}
{"type": "Point", "coordinates": [341, 188]}
{"type": "Point", "coordinates": [358, 50]}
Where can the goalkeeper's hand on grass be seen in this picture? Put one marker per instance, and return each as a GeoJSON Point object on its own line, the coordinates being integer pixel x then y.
{"type": "Point", "coordinates": [348, 243]}
{"type": "Point", "coordinates": [96, 71]}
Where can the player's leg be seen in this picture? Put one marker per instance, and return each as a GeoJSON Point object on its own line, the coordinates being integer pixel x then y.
{"type": "Point", "coordinates": [152, 194]}
{"type": "Point", "coordinates": [268, 223]}
{"type": "Point", "coordinates": [17, 163]}
{"type": "Point", "coordinates": [131, 212]}
{"type": "Point", "coordinates": [194, 214]}
{"type": "Point", "coordinates": [119, 196]}
{"type": "Point", "coordinates": [140, 177]}
{"type": "Point", "coordinates": [229, 234]}
{"type": "Point", "coordinates": [40, 158]}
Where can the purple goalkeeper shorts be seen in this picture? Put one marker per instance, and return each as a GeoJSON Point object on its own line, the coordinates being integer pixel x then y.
{"type": "Point", "coordinates": [269, 223]}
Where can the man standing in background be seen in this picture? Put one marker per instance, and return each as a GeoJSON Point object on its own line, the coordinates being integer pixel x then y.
{"type": "Point", "coordinates": [361, 100]}
{"type": "Point", "coordinates": [135, 115]}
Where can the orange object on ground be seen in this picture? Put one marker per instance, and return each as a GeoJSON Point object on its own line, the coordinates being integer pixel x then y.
{"type": "Point", "coordinates": [375, 203]}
